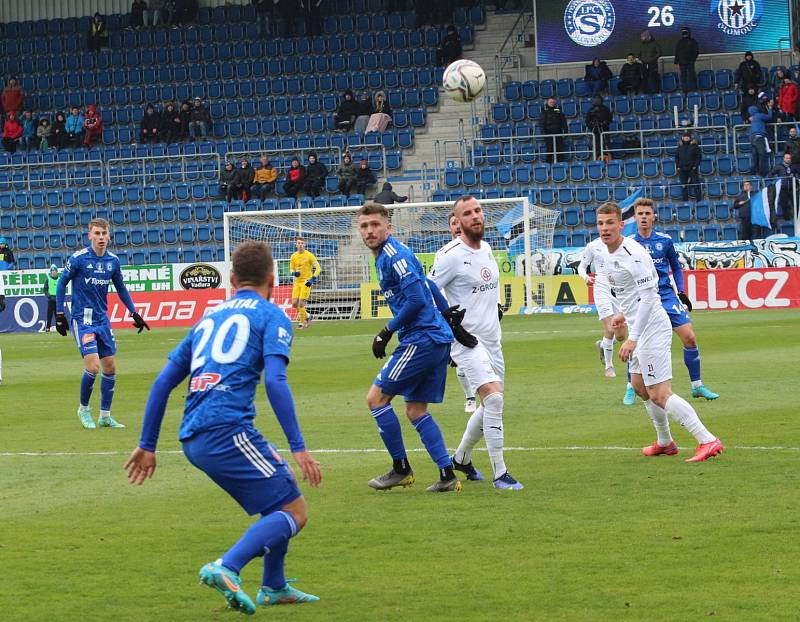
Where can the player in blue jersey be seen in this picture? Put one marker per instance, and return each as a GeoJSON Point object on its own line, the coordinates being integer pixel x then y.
{"type": "Point", "coordinates": [224, 355]}
{"type": "Point", "coordinates": [91, 270]}
{"type": "Point", "coordinates": [417, 369]}
{"type": "Point", "coordinates": [665, 258]}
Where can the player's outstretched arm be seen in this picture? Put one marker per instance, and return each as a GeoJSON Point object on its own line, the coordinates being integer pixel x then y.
{"type": "Point", "coordinates": [282, 402]}
{"type": "Point", "coordinates": [142, 462]}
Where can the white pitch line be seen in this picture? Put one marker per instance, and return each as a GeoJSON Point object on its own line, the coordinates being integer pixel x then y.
{"type": "Point", "coordinates": [373, 450]}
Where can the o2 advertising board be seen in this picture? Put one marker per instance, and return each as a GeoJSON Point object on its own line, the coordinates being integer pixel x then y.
{"type": "Point", "coordinates": [578, 30]}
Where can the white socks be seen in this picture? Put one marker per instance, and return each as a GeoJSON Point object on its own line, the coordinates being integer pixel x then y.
{"type": "Point", "coordinates": [660, 422]}
{"type": "Point", "coordinates": [464, 382]}
{"type": "Point", "coordinates": [683, 413]}
{"type": "Point", "coordinates": [493, 431]}
{"type": "Point", "coordinates": [608, 351]}
{"type": "Point", "coordinates": [472, 434]}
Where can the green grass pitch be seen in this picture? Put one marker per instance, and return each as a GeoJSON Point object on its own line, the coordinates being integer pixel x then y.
{"type": "Point", "coordinates": [599, 533]}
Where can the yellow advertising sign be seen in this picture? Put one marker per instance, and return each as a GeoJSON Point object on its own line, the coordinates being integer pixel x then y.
{"type": "Point", "coordinates": [547, 291]}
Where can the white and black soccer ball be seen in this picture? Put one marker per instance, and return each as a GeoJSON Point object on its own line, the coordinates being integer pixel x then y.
{"type": "Point", "coordinates": [464, 80]}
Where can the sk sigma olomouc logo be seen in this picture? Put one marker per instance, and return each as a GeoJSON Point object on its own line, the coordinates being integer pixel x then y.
{"type": "Point", "coordinates": [589, 22]}
{"type": "Point", "coordinates": [736, 17]}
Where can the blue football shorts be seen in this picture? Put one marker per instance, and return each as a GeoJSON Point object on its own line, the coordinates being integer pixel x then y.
{"type": "Point", "coordinates": [245, 465]}
{"type": "Point", "coordinates": [678, 316]}
{"type": "Point", "coordinates": [97, 339]}
{"type": "Point", "coordinates": [417, 371]}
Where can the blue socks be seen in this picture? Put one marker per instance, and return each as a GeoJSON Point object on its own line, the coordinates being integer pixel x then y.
{"type": "Point", "coordinates": [691, 357]}
{"type": "Point", "coordinates": [432, 438]}
{"type": "Point", "coordinates": [87, 384]}
{"type": "Point", "coordinates": [266, 536]}
{"type": "Point", "coordinates": [107, 382]}
{"type": "Point", "coordinates": [389, 429]}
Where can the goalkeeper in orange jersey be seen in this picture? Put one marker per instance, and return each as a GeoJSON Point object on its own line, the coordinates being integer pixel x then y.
{"type": "Point", "coordinates": [304, 267]}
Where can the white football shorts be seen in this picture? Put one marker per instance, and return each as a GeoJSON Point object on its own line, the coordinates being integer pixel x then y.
{"type": "Point", "coordinates": [482, 364]}
{"type": "Point", "coordinates": [606, 304]}
{"type": "Point", "coordinates": [652, 357]}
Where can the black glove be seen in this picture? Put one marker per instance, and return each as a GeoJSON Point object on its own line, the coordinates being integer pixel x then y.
{"type": "Point", "coordinates": [454, 315]}
{"type": "Point", "coordinates": [380, 341]}
{"type": "Point", "coordinates": [685, 300]}
{"type": "Point", "coordinates": [499, 312]}
{"type": "Point", "coordinates": [61, 324]}
{"type": "Point", "coordinates": [139, 323]}
{"type": "Point", "coordinates": [452, 363]}
{"type": "Point", "coordinates": [2, 301]}
{"type": "Point", "coordinates": [463, 337]}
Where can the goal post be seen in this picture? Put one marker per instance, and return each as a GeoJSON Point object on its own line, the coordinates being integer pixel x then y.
{"type": "Point", "coordinates": [518, 231]}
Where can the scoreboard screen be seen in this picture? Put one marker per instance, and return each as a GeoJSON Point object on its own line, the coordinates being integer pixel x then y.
{"type": "Point", "coordinates": [578, 30]}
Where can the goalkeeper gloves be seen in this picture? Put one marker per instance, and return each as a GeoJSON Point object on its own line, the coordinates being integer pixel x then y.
{"type": "Point", "coordinates": [499, 312]}
{"type": "Point", "coordinates": [61, 324]}
{"type": "Point", "coordinates": [380, 341]}
{"type": "Point", "coordinates": [138, 322]}
{"type": "Point", "coordinates": [2, 302]}
{"type": "Point", "coordinates": [454, 316]}
{"type": "Point", "coordinates": [296, 273]}
{"type": "Point", "coordinates": [685, 300]}
{"type": "Point", "coordinates": [311, 281]}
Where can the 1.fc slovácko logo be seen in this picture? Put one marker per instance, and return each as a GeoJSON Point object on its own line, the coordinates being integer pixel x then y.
{"type": "Point", "coordinates": [589, 22]}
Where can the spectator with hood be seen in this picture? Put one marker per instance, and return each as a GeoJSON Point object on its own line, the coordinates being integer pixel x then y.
{"type": "Point", "coordinates": [450, 49]}
{"type": "Point", "coordinates": [387, 196]}
{"type": "Point", "coordinates": [553, 121]}
{"type": "Point", "coordinates": [687, 161]}
{"type": "Point", "coordinates": [74, 126]}
{"type": "Point", "coordinates": [58, 135]}
{"type": "Point", "coordinates": [364, 177]}
{"type": "Point", "coordinates": [13, 97]}
{"type": "Point", "coordinates": [28, 138]}
{"type": "Point", "coordinates": [98, 33]}
{"type": "Point", "coordinates": [92, 126]}
{"type": "Point", "coordinates": [199, 119]}
{"type": "Point", "coordinates": [760, 114]}
{"type": "Point", "coordinates": [171, 123]}
{"type": "Point", "coordinates": [186, 117]}
{"type": "Point", "coordinates": [364, 112]}
{"type": "Point", "coordinates": [265, 177]}
{"type": "Point", "coordinates": [150, 125]}
{"type": "Point", "coordinates": [243, 179]}
{"type": "Point", "coordinates": [226, 181]}
{"type": "Point", "coordinates": [316, 172]}
{"type": "Point", "coordinates": [347, 175]}
{"type": "Point", "coordinates": [381, 117]}
{"type": "Point", "coordinates": [12, 132]}
{"type": "Point", "coordinates": [598, 120]}
{"type": "Point", "coordinates": [43, 131]}
{"type": "Point", "coordinates": [347, 112]}
{"type": "Point", "coordinates": [649, 54]}
{"type": "Point", "coordinates": [748, 74]}
{"type": "Point", "coordinates": [294, 178]}
{"type": "Point", "coordinates": [596, 76]}
{"type": "Point", "coordinates": [686, 53]}
{"type": "Point", "coordinates": [631, 77]}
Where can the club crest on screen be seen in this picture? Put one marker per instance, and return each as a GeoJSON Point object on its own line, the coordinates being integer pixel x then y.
{"type": "Point", "coordinates": [590, 22]}
{"type": "Point", "coordinates": [736, 17]}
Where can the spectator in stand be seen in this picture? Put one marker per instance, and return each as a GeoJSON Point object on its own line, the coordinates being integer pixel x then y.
{"type": "Point", "coordinates": [364, 177]}
{"type": "Point", "coordinates": [649, 54]}
{"type": "Point", "coordinates": [760, 114]}
{"type": "Point", "coordinates": [171, 123]}
{"type": "Point", "coordinates": [364, 112]}
{"type": "Point", "coordinates": [7, 260]}
{"type": "Point", "coordinates": [264, 10]}
{"type": "Point", "coordinates": [686, 53]}
{"type": "Point", "coordinates": [747, 230]}
{"type": "Point", "coordinates": [169, 14]}
{"type": "Point", "coordinates": [74, 127]}
{"type": "Point", "coordinates": [98, 33]}
{"type": "Point", "coordinates": [381, 117]}
{"type": "Point", "coordinates": [288, 10]}
{"type": "Point", "coordinates": [12, 132]}
{"type": "Point", "coordinates": [28, 138]}
{"type": "Point", "coordinates": [347, 112]}
{"type": "Point", "coordinates": [787, 173]}
{"type": "Point", "coordinates": [154, 13]}
{"type": "Point", "coordinates": [748, 74]}
{"type": "Point", "coordinates": [450, 48]}
{"type": "Point", "coordinates": [265, 177]}
{"type": "Point", "coordinates": [186, 117]}
{"type": "Point", "coordinates": [749, 98]}
{"type": "Point", "coordinates": [243, 179]}
{"type": "Point", "coordinates": [92, 126]}
{"type": "Point", "coordinates": [788, 98]}
{"type": "Point", "coordinates": [313, 17]}
{"type": "Point", "coordinates": [43, 131]}
{"type": "Point", "coordinates": [387, 196]}
{"type": "Point", "coordinates": [596, 76]}
{"type": "Point", "coordinates": [598, 121]}
{"type": "Point", "coordinates": [199, 120]}
{"type": "Point", "coordinates": [792, 146]}
{"type": "Point", "coordinates": [347, 175]}
{"type": "Point", "coordinates": [776, 80]}
{"type": "Point", "coordinates": [631, 77]}
{"type": "Point", "coordinates": [137, 13]}
{"type": "Point", "coordinates": [226, 182]}
{"type": "Point", "coordinates": [58, 134]}
{"type": "Point", "coordinates": [294, 178]}
{"type": "Point", "coordinates": [150, 126]}
{"type": "Point", "coordinates": [316, 172]}
{"type": "Point", "coordinates": [13, 96]}
{"type": "Point", "coordinates": [687, 161]}
{"type": "Point", "coordinates": [553, 122]}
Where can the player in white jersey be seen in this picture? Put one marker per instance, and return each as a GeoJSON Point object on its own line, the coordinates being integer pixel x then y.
{"type": "Point", "coordinates": [467, 272]}
{"type": "Point", "coordinates": [634, 281]}
{"type": "Point", "coordinates": [470, 403]}
{"type": "Point", "coordinates": [607, 307]}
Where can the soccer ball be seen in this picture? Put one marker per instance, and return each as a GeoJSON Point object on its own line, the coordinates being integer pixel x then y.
{"type": "Point", "coordinates": [464, 80]}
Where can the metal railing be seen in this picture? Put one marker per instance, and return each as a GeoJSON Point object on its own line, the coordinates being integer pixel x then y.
{"type": "Point", "coordinates": [605, 143]}
{"type": "Point", "coordinates": [526, 139]}
{"type": "Point", "coordinates": [52, 174]}
{"type": "Point", "coordinates": [772, 128]}
{"type": "Point", "coordinates": [442, 158]}
{"type": "Point", "coordinates": [129, 169]}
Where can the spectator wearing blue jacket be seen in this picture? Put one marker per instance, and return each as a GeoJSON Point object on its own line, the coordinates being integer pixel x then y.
{"type": "Point", "coordinates": [760, 115]}
{"type": "Point", "coordinates": [28, 138]}
{"type": "Point", "coordinates": [74, 127]}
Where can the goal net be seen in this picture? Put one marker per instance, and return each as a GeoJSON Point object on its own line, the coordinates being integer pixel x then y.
{"type": "Point", "coordinates": [517, 231]}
